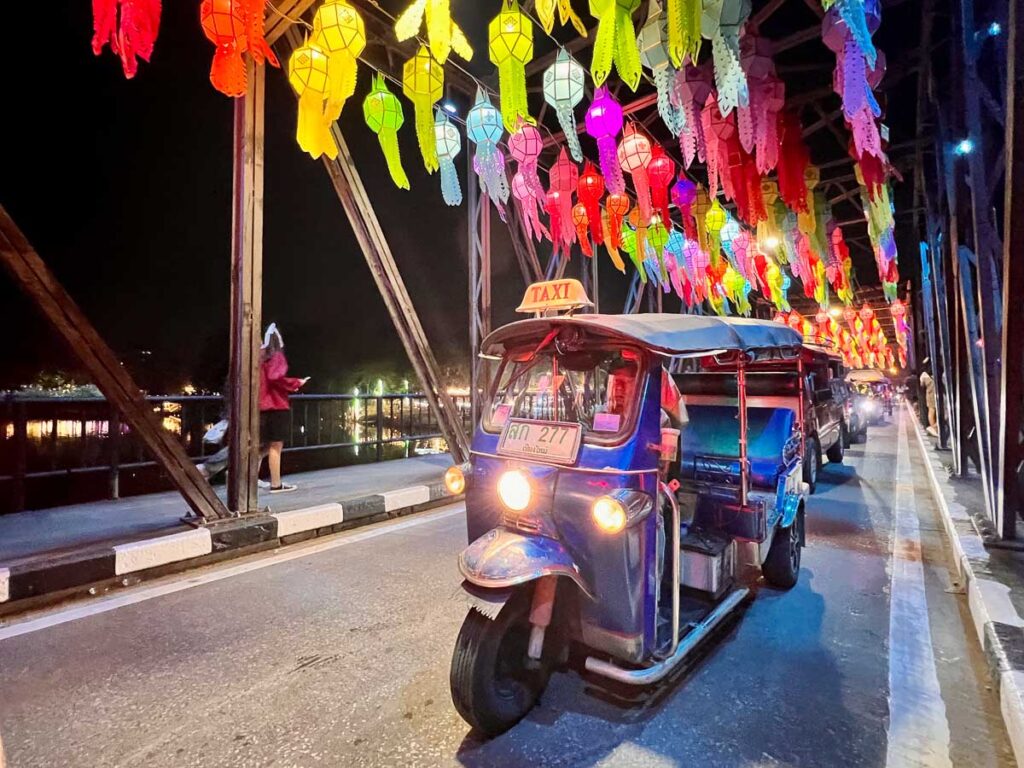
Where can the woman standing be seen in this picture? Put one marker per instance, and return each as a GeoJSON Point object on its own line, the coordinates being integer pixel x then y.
{"type": "Point", "coordinates": [275, 387]}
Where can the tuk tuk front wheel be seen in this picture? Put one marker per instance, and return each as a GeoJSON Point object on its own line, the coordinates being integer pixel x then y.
{"type": "Point", "coordinates": [782, 567]}
{"type": "Point", "coordinates": [812, 462]}
{"type": "Point", "coordinates": [492, 684]}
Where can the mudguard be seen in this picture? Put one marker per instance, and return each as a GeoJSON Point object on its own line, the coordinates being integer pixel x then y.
{"type": "Point", "coordinates": [501, 558]}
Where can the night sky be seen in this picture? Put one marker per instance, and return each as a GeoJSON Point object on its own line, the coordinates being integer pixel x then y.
{"type": "Point", "coordinates": [124, 188]}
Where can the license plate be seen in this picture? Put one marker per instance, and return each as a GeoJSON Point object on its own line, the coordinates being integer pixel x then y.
{"type": "Point", "coordinates": [557, 442]}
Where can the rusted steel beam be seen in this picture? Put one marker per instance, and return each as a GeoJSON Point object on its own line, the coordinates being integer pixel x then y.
{"type": "Point", "coordinates": [41, 286]}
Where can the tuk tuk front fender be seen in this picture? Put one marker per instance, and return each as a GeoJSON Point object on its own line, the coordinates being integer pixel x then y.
{"type": "Point", "coordinates": [501, 559]}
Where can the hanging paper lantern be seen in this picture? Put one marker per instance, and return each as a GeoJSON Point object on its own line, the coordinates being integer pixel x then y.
{"type": "Point", "coordinates": [484, 128]}
{"type": "Point", "coordinates": [234, 26]}
{"type": "Point", "coordinates": [339, 30]}
{"type": "Point", "coordinates": [130, 26]}
{"type": "Point", "coordinates": [604, 121]}
{"type": "Point", "coordinates": [851, 82]}
{"type": "Point", "coordinates": [617, 204]}
{"type": "Point", "coordinates": [684, 193]}
{"type": "Point", "coordinates": [448, 144]}
{"type": "Point", "coordinates": [719, 138]}
{"type": "Point", "coordinates": [861, 18]}
{"type": "Point", "coordinates": [609, 242]}
{"type": "Point", "coordinates": [693, 86]}
{"type": "Point", "coordinates": [563, 90]}
{"type": "Point", "coordinates": [383, 114]}
{"type": "Point", "coordinates": [684, 17]}
{"type": "Point", "coordinates": [529, 204]}
{"type": "Point", "coordinates": [660, 171]}
{"type": "Point", "coordinates": [563, 178]}
{"type": "Point", "coordinates": [714, 221]}
{"type": "Point", "coordinates": [653, 42]}
{"type": "Point", "coordinates": [546, 12]}
{"type": "Point", "coordinates": [793, 161]}
{"type": "Point", "coordinates": [634, 154]}
{"type": "Point", "coordinates": [423, 84]}
{"type": "Point", "coordinates": [525, 146]}
{"type": "Point", "coordinates": [721, 23]}
{"type": "Point", "coordinates": [657, 239]}
{"type": "Point", "coordinates": [511, 46]}
{"type": "Point", "coordinates": [443, 34]}
{"type": "Point", "coordinates": [590, 190]}
{"type": "Point", "coordinates": [615, 42]}
{"type": "Point", "coordinates": [582, 223]}
{"type": "Point", "coordinates": [308, 75]}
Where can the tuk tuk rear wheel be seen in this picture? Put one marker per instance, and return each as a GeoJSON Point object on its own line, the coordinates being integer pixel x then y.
{"type": "Point", "coordinates": [782, 567]}
{"type": "Point", "coordinates": [492, 686]}
{"type": "Point", "coordinates": [812, 463]}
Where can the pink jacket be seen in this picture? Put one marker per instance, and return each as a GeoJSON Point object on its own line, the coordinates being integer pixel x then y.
{"type": "Point", "coordinates": [275, 385]}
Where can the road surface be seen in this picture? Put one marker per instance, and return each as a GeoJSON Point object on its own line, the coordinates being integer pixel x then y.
{"type": "Point", "coordinates": [336, 653]}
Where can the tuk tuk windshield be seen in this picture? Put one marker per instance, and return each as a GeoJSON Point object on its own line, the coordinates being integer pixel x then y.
{"type": "Point", "coordinates": [596, 388]}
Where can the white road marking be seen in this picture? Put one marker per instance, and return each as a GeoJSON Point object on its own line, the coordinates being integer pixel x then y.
{"type": "Point", "coordinates": [103, 605]}
{"type": "Point", "coordinates": [918, 733]}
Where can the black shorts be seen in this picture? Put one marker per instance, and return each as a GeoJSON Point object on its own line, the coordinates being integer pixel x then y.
{"type": "Point", "coordinates": [275, 426]}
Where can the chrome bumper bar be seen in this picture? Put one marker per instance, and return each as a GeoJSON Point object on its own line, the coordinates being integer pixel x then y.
{"type": "Point", "coordinates": [653, 674]}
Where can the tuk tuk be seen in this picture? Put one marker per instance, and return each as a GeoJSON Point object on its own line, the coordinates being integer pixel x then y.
{"type": "Point", "coordinates": [624, 468]}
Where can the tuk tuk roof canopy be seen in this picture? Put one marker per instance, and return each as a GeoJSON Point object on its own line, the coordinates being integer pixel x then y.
{"type": "Point", "coordinates": [668, 334]}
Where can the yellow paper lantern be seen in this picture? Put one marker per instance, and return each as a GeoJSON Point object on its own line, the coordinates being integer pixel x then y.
{"type": "Point", "coordinates": [308, 74]}
{"type": "Point", "coordinates": [423, 84]}
{"type": "Point", "coordinates": [443, 34]}
{"type": "Point", "coordinates": [339, 31]}
{"type": "Point", "coordinates": [510, 34]}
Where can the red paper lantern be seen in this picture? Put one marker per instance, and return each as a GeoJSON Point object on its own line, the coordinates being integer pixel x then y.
{"type": "Point", "coordinates": [660, 171]}
{"type": "Point", "coordinates": [130, 26]}
{"type": "Point", "coordinates": [234, 26]}
{"type": "Point", "coordinates": [617, 206]}
{"type": "Point", "coordinates": [590, 189]}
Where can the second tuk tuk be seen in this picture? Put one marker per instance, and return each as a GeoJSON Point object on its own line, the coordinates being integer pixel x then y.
{"type": "Point", "coordinates": [624, 468]}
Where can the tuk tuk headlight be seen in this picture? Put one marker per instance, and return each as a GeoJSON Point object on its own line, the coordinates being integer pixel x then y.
{"type": "Point", "coordinates": [514, 490]}
{"type": "Point", "coordinates": [609, 514]}
{"type": "Point", "coordinates": [455, 480]}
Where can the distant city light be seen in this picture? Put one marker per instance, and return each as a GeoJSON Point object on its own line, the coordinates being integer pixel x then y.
{"type": "Point", "coordinates": [994, 28]}
{"type": "Point", "coordinates": [964, 147]}
{"type": "Point", "coordinates": [449, 107]}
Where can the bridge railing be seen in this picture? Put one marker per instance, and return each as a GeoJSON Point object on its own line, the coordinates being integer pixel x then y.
{"type": "Point", "coordinates": [56, 450]}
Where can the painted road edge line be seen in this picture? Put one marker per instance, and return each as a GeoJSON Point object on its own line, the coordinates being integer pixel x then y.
{"type": "Point", "coordinates": [1009, 680]}
{"type": "Point", "coordinates": [182, 582]}
{"type": "Point", "coordinates": [308, 518]}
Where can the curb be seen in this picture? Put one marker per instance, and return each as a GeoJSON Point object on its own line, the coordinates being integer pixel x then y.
{"type": "Point", "coordinates": [999, 628]}
{"type": "Point", "coordinates": [95, 570]}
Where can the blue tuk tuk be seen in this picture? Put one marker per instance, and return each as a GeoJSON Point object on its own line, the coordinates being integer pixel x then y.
{"type": "Point", "coordinates": [624, 468]}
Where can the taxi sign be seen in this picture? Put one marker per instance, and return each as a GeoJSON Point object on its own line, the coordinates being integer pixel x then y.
{"type": "Point", "coordinates": [553, 295]}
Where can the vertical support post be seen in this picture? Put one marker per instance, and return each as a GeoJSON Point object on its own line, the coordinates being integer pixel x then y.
{"type": "Point", "coordinates": [1008, 501]}
{"type": "Point", "coordinates": [741, 391]}
{"type": "Point", "coordinates": [20, 455]}
{"type": "Point", "coordinates": [246, 295]}
{"type": "Point", "coordinates": [114, 441]}
{"type": "Point", "coordinates": [379, 426]}
{"type": "Point", "coordinates": [595, 280]}
{"type": "Point", "coordinates": [479, 239]}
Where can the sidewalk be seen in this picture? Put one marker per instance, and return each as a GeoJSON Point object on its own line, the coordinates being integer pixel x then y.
{"type": "Point", "coordinates": [993, 578]}
{"type": "Point", "coordinates": [87, 549]}
{"type": "Point", "coordinates": [58, 529]}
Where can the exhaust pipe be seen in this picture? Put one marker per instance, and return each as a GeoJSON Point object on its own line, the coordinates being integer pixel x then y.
{"type": "Point", "coordinates": [656, 672]}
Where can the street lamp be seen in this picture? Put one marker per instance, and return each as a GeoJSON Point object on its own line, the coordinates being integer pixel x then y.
{"type": "Point", "coordinates": [963, 147]}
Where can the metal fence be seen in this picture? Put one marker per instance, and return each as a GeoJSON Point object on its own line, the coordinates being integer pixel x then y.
{"type": "Point", "coordinates": [67, 450]}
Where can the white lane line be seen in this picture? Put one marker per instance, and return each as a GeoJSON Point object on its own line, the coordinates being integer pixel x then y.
{"type": "Point", "coordinates": [103, 605]}
{"type": "Point", "coordinates": [918, 733]}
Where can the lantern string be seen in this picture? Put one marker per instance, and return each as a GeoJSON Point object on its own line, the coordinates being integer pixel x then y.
{"type": "Point", "coordinates": [269, 4]}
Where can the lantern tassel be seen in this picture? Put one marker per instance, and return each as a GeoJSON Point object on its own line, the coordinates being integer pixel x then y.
{"type": "Point", "coordinates": [567, 122]}
{"type": "Point", "coordinates": [389, 146]}
{"type": "Point", "coordinates": [313, 130]}
{"type": "Point", "coordinates": [607, 153]}
{"type": "Point", "coordinates": [425, 132]}
{"type": "Point", "coordinates": [512, 85]}
{"type": "Point", "coordinates": [609, 244]}
{"type": "Point", "coordinates": [684, 39]}
{"type": "Point", "coordinates": [227, 73]}
{"type": "Point", "coordinates": [674, 118]}
{"type": "Point", "coordinates": [439, 28]}
{"type": "Point", "coordinates": [729, 77]}
{"type": "Point", "coordinates": [450, 189]}
{"type": "Point", "coordinates": [615, 43]}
